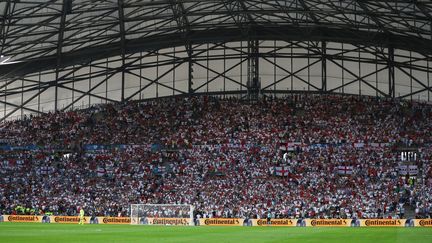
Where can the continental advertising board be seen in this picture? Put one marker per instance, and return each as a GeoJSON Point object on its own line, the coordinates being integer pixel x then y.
{"type": "Point", "coordinates": [22, 218]}
{"type": "Point", "coordinates": [113, 220]}
{"type": "Point", "coordinates": [169, 221]}
{"type": "Point", "coordinates": [67, 219]}
{"type": "Point", "coordinates": [327, 222]}
{"type": "Point", "coordinates": [274, 222]}
{"type": "Point", "coordinates": [221, 222]}
{"type": "Point", "coordinates": [109, 220]}
{"type": "Point", "coordinates": [382, 222]}
{"type": "Point", "coordinates": [161, 221]}
{"type": "Point", "coordinates": [423, 222]}
{"type": "Point", "coordinates": [63, 219]}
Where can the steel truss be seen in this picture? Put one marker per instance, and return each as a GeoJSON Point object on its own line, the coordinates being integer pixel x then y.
{"type": "Point", "coordinates": [120, 50]}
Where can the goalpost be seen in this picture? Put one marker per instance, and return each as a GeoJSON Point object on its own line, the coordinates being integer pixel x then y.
{"type": "Point", "coordinates": [162, 214]}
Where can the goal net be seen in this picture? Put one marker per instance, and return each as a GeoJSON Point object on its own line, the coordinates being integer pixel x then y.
{"type": "Point", "coordinates": [162, 214]}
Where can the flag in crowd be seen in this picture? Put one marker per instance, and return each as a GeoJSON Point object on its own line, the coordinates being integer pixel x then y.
{"type": "Point", "coordinates": [100, 171]}
{"type": "Point", "coordinates": [279, 170]}
{"type": "Point", "coordinates": [45, 170]}
{"type": "Point", "coordinates": [408, 170]}
{"type": "Point", "coordinates": [344, 170]}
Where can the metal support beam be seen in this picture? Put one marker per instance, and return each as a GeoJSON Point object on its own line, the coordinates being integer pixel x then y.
{"type": "Point", "coordinates": [230, 6]}
{"type": "Point", "coordinates": [371, 15]}
{"type": "Point", "coordinates": [246, 11]}
{"type": "Point", "coordinates": [65, 7]}
{"type": "Point", "coordinates": [360, 79]}
{"type": "Point", "coordinates": [423, 9]}
{"type": "Point", "coordinates": [155, 81]}
{"type": "Point", "coordinates": [122, 45]}
{"type": "Point", "coordinates": [324, 66]}
{"type": "Point", "coordinates": [239, 14]}
{"type": "Point", "coordinates": [409, 74]}
{"type": "Point", "coordinates": [308, 11]}
{"type": "Point", "coordinates": [291, 33]}
{"type": "Point", "coordinates": [426, 12]}
{"type": "Point", "coordinates": [290, 74]}
{"type": "Point", "coordinates": [23, 103]}
{"type": "Point", "coordinates": [180, 14]}
{"type": "Point", "coordinates": [183, 24]}
{"type": "Point", "coordinates": [3, 29]}
{"type": "Point", "coordinates": [356, 78]}
{"type": "Point", "coordinates": [223, 74]}
{"type": "Point", "coordinates": [21, 107]}
{"type": "Point", "coordinates": [190, 73]}
{"type": "Point", "coordinates": [391, 73]}
{"type": "Point", "coordinates": [253, 81]}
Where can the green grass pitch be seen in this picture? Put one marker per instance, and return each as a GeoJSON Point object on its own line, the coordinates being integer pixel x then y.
{"type": "Point", "coordinates": [30, 232]}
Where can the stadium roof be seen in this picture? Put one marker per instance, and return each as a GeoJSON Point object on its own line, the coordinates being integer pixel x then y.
{"type": "Point", "coordinates": [40, 34]}
{"type": "Point", "coordinates": [63, 54]}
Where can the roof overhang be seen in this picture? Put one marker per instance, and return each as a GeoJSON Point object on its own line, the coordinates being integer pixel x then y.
{"type": "Point", "coordinates": [283, 33]}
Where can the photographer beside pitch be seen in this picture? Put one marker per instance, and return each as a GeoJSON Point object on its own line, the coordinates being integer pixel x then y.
{"type": "Point", "coordinates": [269, 217]}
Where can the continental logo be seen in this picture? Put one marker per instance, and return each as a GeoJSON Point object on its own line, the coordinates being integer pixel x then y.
{"type": "Point", "coordinates": [22, 218]}
{"type": "Point", "coordinates": [65, 219]}
{"type": "Point", "coordinates": [221, 222]}
{"type": "Point", "coordinates": [383, 222]}
{"type": "Point", "coordinates": [107, 220]}
{"type": "Point", "coordinates": [425, 222]}
{"type": "Point", "coordinates": [275, 222]}
{"type": "Point", "coordinates": [165, 221]}
{"type": "Point", "coordinates": [328, 222]}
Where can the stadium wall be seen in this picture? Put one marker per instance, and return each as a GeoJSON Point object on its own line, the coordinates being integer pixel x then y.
{"type": "Point", "coordinates": [223, 221]}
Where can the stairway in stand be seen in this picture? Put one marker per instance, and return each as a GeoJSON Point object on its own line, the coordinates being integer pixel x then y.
{"type": "Point", "coordinates": [409, 212]}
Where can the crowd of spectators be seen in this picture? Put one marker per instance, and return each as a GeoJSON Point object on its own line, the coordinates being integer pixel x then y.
{"type": "Point", "coordinates": [218, 155]}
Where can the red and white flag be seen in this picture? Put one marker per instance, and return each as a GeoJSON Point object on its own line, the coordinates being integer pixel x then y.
{"type": "Point", "coordinates": [345, 170]}
{"type": "Point", "coordinates": [281, 170]}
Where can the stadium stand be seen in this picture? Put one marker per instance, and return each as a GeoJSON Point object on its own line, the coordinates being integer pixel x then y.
{"type": "Point", "coordinates": [223, 156]}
